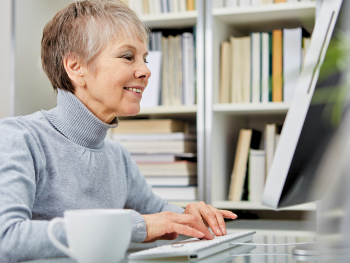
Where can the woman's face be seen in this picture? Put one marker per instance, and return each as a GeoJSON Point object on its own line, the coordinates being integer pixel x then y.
{"type": "Point", "coordinates": [117, 86]}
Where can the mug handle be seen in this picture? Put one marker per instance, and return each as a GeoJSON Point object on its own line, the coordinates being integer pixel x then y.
{"type": "Point", "coordinates": [53, 239]}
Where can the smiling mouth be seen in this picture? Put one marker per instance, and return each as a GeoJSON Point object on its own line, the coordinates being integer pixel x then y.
{"type": "Point", "coordinates": [133, 89]}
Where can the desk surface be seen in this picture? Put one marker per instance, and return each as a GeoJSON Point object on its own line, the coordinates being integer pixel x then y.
{"type": "Point", "coordinates": [225, 257]}
{"type": "Point", "coordinates": [267, 232]}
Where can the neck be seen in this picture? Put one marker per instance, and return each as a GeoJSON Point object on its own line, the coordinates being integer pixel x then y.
{"type": "Point", "coordinates": [95, 106]}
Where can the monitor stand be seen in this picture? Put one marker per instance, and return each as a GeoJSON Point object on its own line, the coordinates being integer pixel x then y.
{"type": "Point", "coordinates": [311, 249]}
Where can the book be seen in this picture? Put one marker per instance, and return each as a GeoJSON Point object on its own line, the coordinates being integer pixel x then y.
{"type": "Point", "coordinates": [270, 65]}
{"type": "Point", "coordinates": [280, 1]}
{"type": "Point", "coordinates": [256, 179]}
{"type": "Point", "coordinates": [292, 61]}
{"type": "Point", "coordinates": [150, 96]}
{"type": "Point", "coordinates": [137, 6]}
{"type": "Point", "coordinates": [188, 68]}
{"type": "Point", "coordinates": [157, 6]}
{"type": "Point", "coordinates": [246, 64]}
{"type": "Point", "coordinates": [255, 67]}
{"type": "Point", "coordinates": [160, 158]}
{"type": "Point", "coordinates": [183, 7]}
{"type": "Point", "coordinates": [177, 96]}
{"type": "Point", "coordinates": [225, 72]}
{"type": "Point", "coordinates": [151, 126]}
{"type": "Point", "coordinates": [171, 69]}
{"type": "Point", "coordinates": [306, 43]}
{"type": "Point", "coordinates": [180, 193]}
{"type": "Point", "coordinates": [171, 180]}
{"type": "Point", "coordinates": [164, 5]}
{"type": "Point", "coordinates": [175, 136]}
{"type": "Point", "coordinates": [183, 168]}
{"type": "Point", "coordinates": [256, 2]}
{"type": "Point", "coordinates": [160, 146]}
{"type": "Point", "coordinates": [231, 3]}
{"type": "Point", "coordinates": [277, 65]}
{"type": "Point", "coordinates": [180, 69]}
{"type": "Point", "coordinates": [236, 70]}
{"type": "Point", "coordinates": [245, 2]}
{"type": "Point", "coordinates": [145, 7]}
{"type": "Point", "coordinates": [270, 145]}
{"type": "Point", "coordinates": [165, 69]}
{"type": "Point", "coordinates": [190, 5]}
{"type": "Point", "coordinates": [151, 7]}
{"type": "Point", "coordinates": [247, 139]}
{"type": "Point", "coordinates": [265, 67]}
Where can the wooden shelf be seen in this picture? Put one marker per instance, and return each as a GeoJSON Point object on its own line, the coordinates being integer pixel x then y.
{"type": "Point", "coordinates": [251, 108]}
{"type": "Point", "coordinates": [171, 20]}
{"type": "Point", "coordinates": [166, 110]}
{"type": "Point", "coordinates": [245, 205]}
{"type": "Point", "coordinates": [267, 17]}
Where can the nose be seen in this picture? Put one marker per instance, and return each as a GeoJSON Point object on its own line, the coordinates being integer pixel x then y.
{"type": "Point", "coordinates": [143, 72]}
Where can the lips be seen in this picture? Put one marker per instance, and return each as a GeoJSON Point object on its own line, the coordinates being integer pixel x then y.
{"type": "Point", "coordinates": [134, 89]}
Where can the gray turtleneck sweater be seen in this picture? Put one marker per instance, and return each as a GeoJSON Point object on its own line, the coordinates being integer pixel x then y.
{"type": "Point", "coordinates": [57, 160]}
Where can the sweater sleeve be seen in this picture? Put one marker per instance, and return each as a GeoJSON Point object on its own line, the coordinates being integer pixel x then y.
{"type": "Point", "coordinates": [143, 200]}
{"type": "Point", "coordinates": [20, 166]}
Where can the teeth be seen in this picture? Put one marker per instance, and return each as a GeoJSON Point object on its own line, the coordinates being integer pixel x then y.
{"type": "Point", "coordinates": [133, 89]}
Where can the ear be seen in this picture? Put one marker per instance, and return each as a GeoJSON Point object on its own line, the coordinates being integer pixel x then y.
{"type": "Point", "coordinates": [75, 70]}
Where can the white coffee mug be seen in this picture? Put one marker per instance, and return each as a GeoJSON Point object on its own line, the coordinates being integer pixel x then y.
{"type": "Point", "coordinates": [96, 235]}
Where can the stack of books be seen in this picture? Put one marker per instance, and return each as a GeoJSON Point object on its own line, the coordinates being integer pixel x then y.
{"type": "Point", "coordinates": [171, 60]}
{"type": "Point", "coordinates": [145, 7]}
{"type": "Point", "coordinates": [238, 3]}
{"type": "Point", "coordinates": [165, 153]}
{"type": "Point", "coordinates": [252, 164]}
{"type": "Point", "coordinates": [262, 67]}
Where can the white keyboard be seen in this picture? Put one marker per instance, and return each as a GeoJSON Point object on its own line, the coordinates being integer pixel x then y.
{"type": "Point", "coordinates": [195, 248]}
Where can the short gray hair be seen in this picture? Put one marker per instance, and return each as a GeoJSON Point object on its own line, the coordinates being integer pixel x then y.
{"type": "Point", "coordinates": [85, 28]}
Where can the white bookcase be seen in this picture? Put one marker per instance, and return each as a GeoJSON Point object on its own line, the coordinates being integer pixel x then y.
{"type": "Point", "coordinates": [223, 121]}
{"type": "Point", "coordinates": [194, 114]}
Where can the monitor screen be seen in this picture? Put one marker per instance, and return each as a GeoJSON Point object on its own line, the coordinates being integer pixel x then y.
{"type": "Point", "coordinates": [290, 182]}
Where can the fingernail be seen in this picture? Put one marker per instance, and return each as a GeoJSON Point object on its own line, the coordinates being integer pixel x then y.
{"type": "Point", "coordinates": [218, 232]}
{"type": "Point", "coordinates": [224, 231]}
{"type": "Point", "coordinates": [200, 233]}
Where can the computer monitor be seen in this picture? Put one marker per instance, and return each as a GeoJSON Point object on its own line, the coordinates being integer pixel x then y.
{"type": "Point", "coordinates": [308, 127]}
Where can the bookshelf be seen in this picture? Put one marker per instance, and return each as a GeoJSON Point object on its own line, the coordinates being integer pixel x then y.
{"type": "Point", "coordinates": [171, 20]}
{"type": "Point", "coordinates": [194, 113]}
{"type": "Point", "coordinates": [223, 121]}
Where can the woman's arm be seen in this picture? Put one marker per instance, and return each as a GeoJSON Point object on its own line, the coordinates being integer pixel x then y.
{"type": "Point", "coordinates": [21, 163]}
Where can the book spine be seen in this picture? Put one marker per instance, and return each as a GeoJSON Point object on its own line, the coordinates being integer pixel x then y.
{"type": "Point", "coordinates": [256, 175]}
{"type": "Point", "coordinates": [292, 42]}
{"type": "Point", "coordinates": [265, 67]}
{"type": "Point", "coordinates": [277, 66]}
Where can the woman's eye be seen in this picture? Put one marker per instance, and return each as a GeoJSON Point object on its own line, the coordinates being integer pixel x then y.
{"type": "Point", "coordinates": [128, 57]}
{"type": "Point", "coordinates": [145, 60]}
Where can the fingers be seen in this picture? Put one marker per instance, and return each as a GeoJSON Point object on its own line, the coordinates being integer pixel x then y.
{"type": "Point", "coordinates": [228, 214]}
{"type": "Point", "coordinates": [193, 222]}
{"type": "Point", "coordinates": [185, 230]}
{"type": "Point", "coordinates": [220, 219]}
{"type": "Point", "coordinates": [210, 217]}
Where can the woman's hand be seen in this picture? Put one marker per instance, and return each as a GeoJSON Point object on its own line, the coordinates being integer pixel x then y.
{"type": "Point", "coordinates": [210, 216]}
{"type": "Point", "coordinates": [168, 225]}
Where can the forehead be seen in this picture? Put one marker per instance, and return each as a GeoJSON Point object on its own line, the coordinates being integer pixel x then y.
{"type": "Point", "coordinates": [133, 44]}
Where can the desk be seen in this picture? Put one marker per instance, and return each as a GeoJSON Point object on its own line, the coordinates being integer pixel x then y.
{"type": "Point", "coordinates": [225, 257]}
{"type": "Point", "coordinates": [267, 232]}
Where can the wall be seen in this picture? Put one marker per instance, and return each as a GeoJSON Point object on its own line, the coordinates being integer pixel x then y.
{"type": "Point", "coordinates": [5, 58]}
{"type": "Point", "coordinates": [33, 90]}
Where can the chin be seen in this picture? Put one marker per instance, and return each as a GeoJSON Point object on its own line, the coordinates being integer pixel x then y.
{"type": "Point", "coordinates": [132, 111]}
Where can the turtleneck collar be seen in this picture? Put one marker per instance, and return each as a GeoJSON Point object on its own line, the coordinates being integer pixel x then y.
{"type": "Point", "coordinates": [76, 122]}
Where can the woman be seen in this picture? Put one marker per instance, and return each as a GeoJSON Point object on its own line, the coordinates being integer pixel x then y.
{"type": "Point", "coordinates": [94, 53]}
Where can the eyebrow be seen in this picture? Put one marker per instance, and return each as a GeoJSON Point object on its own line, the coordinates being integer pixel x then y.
{"type": "Point", "coordinates": [133, 48]}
